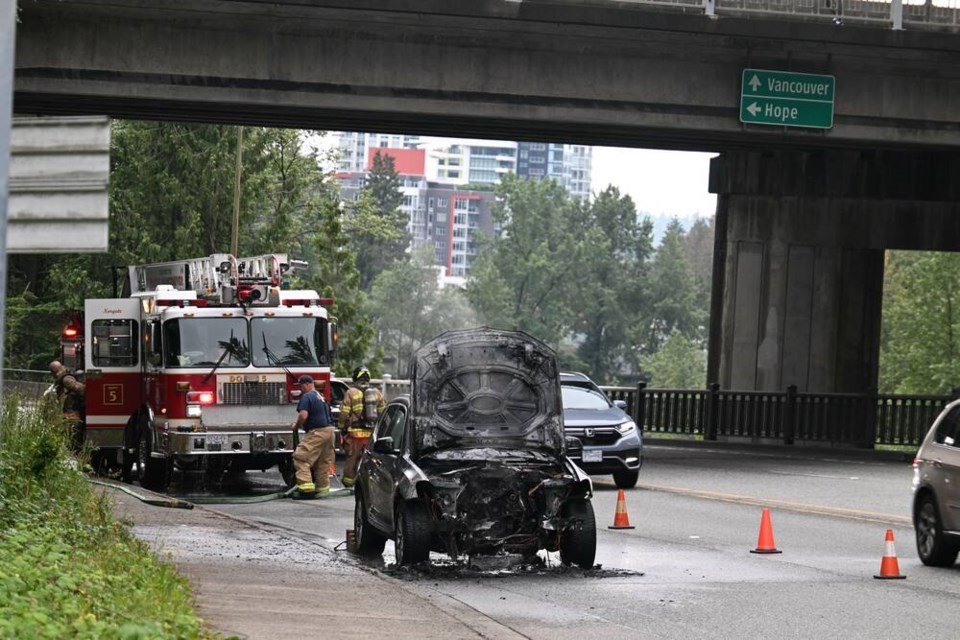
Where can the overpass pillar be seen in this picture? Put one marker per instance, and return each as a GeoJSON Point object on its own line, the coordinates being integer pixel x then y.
{"type": "Point", "coordinates": [799, 256]}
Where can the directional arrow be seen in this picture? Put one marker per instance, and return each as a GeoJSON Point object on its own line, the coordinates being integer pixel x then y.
{"type": "Point", "coordinates": [754, 108]}
{"type": "Point", "coordinates": [754, 82]}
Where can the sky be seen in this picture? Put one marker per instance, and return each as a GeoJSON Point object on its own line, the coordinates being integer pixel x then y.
{"type": "Point", "coordinates": [671, 183]}
{"type": "Point", "coordinates": [661, 183]}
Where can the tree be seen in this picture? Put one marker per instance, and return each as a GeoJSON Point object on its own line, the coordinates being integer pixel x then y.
{"type": "Point", "coordinates": [697, 246]}
{"type": "Point", "coordinates": [171, 197]}
{"type": "Point", "coordinates": [674, 295]}
{"type": "Point", "coordinates": [680, 364]}
{"type": "Point", "coordinates": [532, 278]}
{"type": "Point", "coordinates": [409, 309]}
{"type": "Point", "coordinates": [920, 341]}
{"type": "Point", "coordinates": [617, 283]}
{"type": "Point", "coordinates": [378, 228]}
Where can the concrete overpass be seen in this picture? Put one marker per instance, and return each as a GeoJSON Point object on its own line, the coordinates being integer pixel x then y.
{"type": "Point", "coordinates": [591, 72]}
{"type": "Point", "coordinates": [803, 214]}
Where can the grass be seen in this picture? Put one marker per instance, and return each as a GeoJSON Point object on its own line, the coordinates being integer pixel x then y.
{"type": "Point", "coordinates": [68, 567]}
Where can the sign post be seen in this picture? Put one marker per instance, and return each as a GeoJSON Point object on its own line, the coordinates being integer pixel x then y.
{"type": "Point", "coordinates": [786, 99]}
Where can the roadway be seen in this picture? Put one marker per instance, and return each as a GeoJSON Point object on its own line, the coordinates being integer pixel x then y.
{"type": "Point", "coordinates": [685, 571]}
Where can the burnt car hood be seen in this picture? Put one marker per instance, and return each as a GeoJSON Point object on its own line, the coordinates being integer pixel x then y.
{"type": "Point", "coordinates": [486, 388]}
{"type": "Point", "coordinates": [609, 417]}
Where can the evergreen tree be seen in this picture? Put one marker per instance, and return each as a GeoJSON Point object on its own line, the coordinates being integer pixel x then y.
{"type": "Point", "coordinates": [378, 228]}
{"type": "Point", "coordinates": [617, 284]}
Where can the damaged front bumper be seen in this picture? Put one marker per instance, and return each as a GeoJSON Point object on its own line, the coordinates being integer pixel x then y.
{"type": "Point", "coordinates": [490, 507]}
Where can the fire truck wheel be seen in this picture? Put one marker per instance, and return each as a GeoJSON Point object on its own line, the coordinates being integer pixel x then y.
{"type": "Point", "coordinates": [288, 472]}
{"type": "Point", "coordinates": [153, 473]}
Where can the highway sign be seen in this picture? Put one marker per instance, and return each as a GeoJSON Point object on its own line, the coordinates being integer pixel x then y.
{"type": "Point", "coordinates": [786, 99]}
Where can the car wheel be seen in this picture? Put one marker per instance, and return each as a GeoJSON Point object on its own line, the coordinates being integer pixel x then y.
{"type": "Point", "coordinates": [153, 473]}
{"type": "Point", "coordinates": [369, 541]}
{"type": "Point", "coordinates": [578, 542]}
{"type": "Point", "coordinates": [932, 547]}
{"type": "Point", "coordinates": [413, 533]}
{"type": "Point", "coordinates": [626, 479]}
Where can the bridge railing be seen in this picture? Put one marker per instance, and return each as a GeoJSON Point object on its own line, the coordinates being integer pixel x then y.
{"type": "Point", "coordinates": [896, 14]}
{"type": "Point", "coordinates": [859, 420]}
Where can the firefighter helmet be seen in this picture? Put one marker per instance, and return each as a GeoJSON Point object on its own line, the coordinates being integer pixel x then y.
{"type": "Point", "coordinates": [361, 373]}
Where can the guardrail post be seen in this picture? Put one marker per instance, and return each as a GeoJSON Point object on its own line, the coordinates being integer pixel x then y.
{"type": "Point", "coordinates": [870, 414]}
{"type": "Point", "coordinates": [790, 415]}
{"type": "Point", "coordinates": [896, 14]}
{"type": "Point", "coordinates": [386, 383]}
{"type": "Point", "coordinates": [712, 417]}
{"type": "Point", "coordinates": [640, 406]}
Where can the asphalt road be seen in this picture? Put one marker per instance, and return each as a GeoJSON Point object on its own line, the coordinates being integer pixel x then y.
{"type": "Point", "coordinates": [686, 570]}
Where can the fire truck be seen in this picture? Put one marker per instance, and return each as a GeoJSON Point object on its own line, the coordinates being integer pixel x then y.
{"type": "Point", "coordinates": [195, 366]}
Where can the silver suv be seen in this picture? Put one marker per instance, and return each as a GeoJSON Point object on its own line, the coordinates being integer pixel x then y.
{"type": "Point", "coordinates": [936, 490]}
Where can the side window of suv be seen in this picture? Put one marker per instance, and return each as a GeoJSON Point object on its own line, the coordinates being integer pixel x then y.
{"type": "Point", "coordinates": [383, 428]}
{"type": "Point", "coordinates": [947, 431]}
{"type": "Point", "coordinates": [397, 423]}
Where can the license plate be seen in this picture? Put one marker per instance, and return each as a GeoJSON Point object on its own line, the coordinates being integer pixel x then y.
{"type": "Point", "coordinates": [216, 439]}
{"type": "Point", "coordinates": [593, 456]}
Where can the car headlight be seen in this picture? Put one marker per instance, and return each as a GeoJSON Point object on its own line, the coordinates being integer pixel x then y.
{"type": "Point", "coordinates": [627, 427]}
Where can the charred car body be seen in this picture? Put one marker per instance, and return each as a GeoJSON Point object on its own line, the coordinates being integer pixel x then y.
{"type": "Point", "coordinates": [474, 461]}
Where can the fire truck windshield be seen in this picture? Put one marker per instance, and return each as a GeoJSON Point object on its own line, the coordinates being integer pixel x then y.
{"type": "Point", "coordinates": [287, 341]}
{"type": "Point", "coordinates": [205, 342]}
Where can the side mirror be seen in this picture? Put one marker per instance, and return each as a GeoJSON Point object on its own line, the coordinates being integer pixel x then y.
{"type": "Point", "coordinates": [620, 404]}
{"type": "Point", "coordinates": [383, 445]}
{"type": "Point", "coordinates": [333, 338]}
{"type": "Point", "coordinates": [574, 445]}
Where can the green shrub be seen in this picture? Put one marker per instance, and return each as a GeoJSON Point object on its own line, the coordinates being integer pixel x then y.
{"type": "Point", "coordinates": [68, 568]}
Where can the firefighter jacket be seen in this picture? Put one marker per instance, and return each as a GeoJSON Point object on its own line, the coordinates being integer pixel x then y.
{"type": "Point", "coordinates": [360, 409]}
{"type": "Point", "coordinates": [69, 392]}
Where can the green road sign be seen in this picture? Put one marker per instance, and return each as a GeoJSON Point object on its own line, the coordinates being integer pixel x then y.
{"type": "Point", "coordinates": [786, 99]}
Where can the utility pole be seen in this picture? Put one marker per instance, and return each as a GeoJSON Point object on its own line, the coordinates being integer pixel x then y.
{"type": "Point", "coordinates": [235, 239]}
{"type": "Point", "coordinates": [8, 30]}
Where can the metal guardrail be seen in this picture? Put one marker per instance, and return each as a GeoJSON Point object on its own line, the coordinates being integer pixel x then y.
{"type": "Point", "coordinates": [860, 420]}
{"type": "Point", "coordinates": [895, 14]}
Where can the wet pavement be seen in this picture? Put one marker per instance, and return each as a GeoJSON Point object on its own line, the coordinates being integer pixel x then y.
{"type": "Point", "coordinates": [254, 581]}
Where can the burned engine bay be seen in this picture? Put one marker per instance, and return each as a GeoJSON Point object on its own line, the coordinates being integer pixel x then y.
{"type": "Point", "coordinates": [483, 502]}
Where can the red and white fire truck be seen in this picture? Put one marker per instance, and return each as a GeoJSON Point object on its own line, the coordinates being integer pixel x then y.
{"type": "Point", "coordinates": [195, 366]}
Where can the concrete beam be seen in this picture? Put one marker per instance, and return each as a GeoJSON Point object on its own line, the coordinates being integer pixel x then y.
{"type": "Point", "coordinates": [616, 74]}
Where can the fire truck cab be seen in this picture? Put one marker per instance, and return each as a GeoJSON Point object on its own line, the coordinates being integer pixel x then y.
{"type": "Point", "coordinates": [196, 366]}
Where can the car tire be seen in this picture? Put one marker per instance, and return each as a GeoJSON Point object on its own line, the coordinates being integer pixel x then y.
{"type": "Point", "coordinates": [370, 542]}
{"type": "Point", "coordinates": [413, 533]}
{"type": "Point", "coordinates": [287, 471]}
{"type": "Point", "coordinates": [932, 546]}
{"type": "Point", "coordinates": [153, 473]}
{"type": "Point", "coordinates": [625, 478]}
{"type": "Point", "coordinates": [578, 543]}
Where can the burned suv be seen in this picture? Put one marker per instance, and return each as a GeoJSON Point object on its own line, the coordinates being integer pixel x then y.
{"type": "Point", "coordinates": [474, 461]}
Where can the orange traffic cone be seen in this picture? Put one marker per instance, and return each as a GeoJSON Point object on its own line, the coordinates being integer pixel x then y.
{"type": "Point", "coordinates": [765, 542]}
{"type": "Point", "coordinates": [889, 567]}
{"type": "Point", "coordinates": [620, 519]}
{"type": "Point", "coordinates": [333, 469]}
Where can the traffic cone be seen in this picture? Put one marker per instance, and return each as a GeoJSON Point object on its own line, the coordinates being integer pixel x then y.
{"type": "Point", "coordinates": [334, 478]}
{"type": "Point", "coordinates": [889, 567]}
{"type": "Point", "coordinates": [765, 542]}
{"type": "Point", "coordinates": [620, 519]}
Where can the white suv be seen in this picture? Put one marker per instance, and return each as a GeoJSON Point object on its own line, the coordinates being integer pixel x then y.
{"type": "Point", "coordinates": [936, 490]}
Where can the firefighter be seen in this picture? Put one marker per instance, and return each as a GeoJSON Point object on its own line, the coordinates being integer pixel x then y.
{"type": "Point", "coordinates": [314, 454]}
{"type": "Point", "coordinates": [70, 394]}
{"type": "Point", "coordinates": [361, 407]}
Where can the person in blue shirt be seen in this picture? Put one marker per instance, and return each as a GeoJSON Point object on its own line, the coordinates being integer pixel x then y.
{"type": "Point", "coordinates": [314, 455]}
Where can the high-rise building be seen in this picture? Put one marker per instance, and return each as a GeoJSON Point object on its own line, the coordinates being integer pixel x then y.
{"type": "Point", "coordinates": [571, 165]}
{"type": "Point", "coordinates": [474, 162]}
{"type": "Point", "coordinates": [353, 147]}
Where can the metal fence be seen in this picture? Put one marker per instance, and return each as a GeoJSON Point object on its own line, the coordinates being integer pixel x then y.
{"type": "Point", "coordinates": [790, 417]}
{"type": "Point", "coordinates": [895, 14]}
